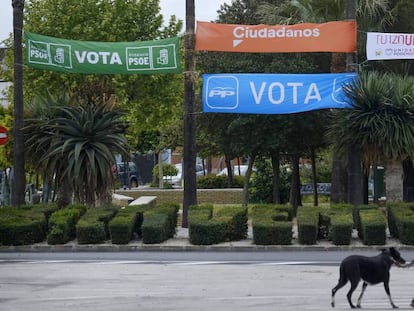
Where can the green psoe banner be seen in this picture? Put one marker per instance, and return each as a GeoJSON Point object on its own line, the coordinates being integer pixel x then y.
{"type": "Point", "coordinates": [88, 57]}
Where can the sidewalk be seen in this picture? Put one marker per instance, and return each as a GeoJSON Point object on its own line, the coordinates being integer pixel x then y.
{"type": "Point", "coordinates": [180, 242]}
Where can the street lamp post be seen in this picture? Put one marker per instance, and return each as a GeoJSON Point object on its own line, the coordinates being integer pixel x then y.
{"type": "Point", "coordinates": [18, 189]}
{"type": "Point", "coordinates": [190, 188]}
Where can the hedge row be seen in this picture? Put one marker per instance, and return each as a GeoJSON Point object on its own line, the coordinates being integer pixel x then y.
{"type": "Point", "coordinates": [18, 227]}
{"type": "Point", "coordinates": [33, 224]}
{"type": "Point", "coordinates": [62, 224]}
{"type": "Point", "coordinates": [127, 223]}
{"type": "Point", "coordinates": [207, 226]}
{"type": "Point", "coordinates": [337, 222]}
{"type": "Point", "coordinates": [401, 221]}
{"type": "Point", "coordinates": [93, 227]}
{"type": "Point", "coordinates": [272, 224]}
{"type": "Point", "coordinates": [160, 223]}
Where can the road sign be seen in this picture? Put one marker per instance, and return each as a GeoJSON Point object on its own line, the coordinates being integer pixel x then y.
{"type": "Point", "coordinates": [3, 135]}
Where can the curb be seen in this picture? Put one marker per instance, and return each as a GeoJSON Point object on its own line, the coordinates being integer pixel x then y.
{"type": "Point", "coordinates": [183, 245]}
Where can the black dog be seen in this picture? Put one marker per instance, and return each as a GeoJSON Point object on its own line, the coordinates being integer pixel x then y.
{"type": "Point", "coordinates": [372, 270]}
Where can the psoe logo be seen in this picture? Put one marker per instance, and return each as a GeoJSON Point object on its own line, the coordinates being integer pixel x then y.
{"type": "Point", "coordinates": [222, 92]}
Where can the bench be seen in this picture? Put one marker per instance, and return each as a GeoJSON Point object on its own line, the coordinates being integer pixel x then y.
{"type": "Point", "coordinates": [145, 200]}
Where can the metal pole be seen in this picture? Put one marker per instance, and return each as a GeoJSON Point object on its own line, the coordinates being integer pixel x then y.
{"type": "Point", "coordinates": [189, 173]}
{"type": "Point", "coordinates": [18, 144]}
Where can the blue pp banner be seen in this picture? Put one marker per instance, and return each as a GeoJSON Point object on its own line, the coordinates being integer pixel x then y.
{"type": "Point", "coordinates": [274, 93]}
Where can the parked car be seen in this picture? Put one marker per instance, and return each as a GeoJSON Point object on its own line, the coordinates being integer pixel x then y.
{"type": "Point", "coordinates": [237, 170]}
{"type": "Point", "coordinates": [130, 178]}
{"type": "Point", "coordinates": [176, 179]}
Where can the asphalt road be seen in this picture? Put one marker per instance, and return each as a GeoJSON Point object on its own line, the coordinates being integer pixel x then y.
{"type": "Point", "coordinates": [185, 281]}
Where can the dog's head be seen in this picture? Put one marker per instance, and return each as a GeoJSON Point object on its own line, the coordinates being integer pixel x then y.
{"type": "Point", "coordinates": [395, 255]}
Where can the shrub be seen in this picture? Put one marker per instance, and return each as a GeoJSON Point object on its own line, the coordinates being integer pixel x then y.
{"type": "Point", "coordinates": [237, 220]}
{"type": "Point", "coordinates": [21, 226]}
{"type": "Point", "coordinates": [341, 229]}
{"type": "Point", "coordinates": [126, 223]}
{"type": "Point", "coordinates": [372, 225]}
{"type": "Point", "coordinates": [401, 222]}
{"type": "Point", "coordinates": [62, 224]}
{"type": "Point", "coordinates": [228, 223]}
{"type": "Point", "coordinates": [272, 224]}
{"type": "Point", "coordinates": [93, 227]}
{"type": "Point", "coordinates": [261, 191]}
{"type": "Point", "coordinates": [211, 181]}
{"type": "Point", "coordinates": [154, 228]}
{"type": "Point", "coordinates": [308, 223]}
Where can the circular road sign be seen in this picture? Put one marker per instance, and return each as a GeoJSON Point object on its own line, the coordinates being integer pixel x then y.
{"type": "Point", "coordinates": [3, 135]}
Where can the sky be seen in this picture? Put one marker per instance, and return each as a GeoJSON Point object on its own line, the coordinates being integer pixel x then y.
{"type": "Point", "coordinates": [205, 10]}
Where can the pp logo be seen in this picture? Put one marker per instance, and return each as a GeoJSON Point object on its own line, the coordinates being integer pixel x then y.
{"type": "Point", "coordinates": [222, 92]}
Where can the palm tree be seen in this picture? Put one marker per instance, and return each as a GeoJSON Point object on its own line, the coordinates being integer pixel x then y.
{"type": "Point", "coordinates": [78, 148]}
{"type": "Point", "coordinates": [371, 15]}
{"type": "Point", "coordinates": [381, 123]}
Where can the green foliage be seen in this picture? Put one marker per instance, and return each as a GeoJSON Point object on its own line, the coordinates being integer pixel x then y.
{"type": "Point", "coordinates": [308, 223]}
{"type": "Point", "coordinates": [154, 228]}
{"type": "Point", "coordinates": [167, 170]}
{"type": "Point", "coordinates": [373, 226]}
{"type": "Point", "coordinates": [260, 190]}
{"type": "Point", "coordinates": [154, 102]}
{"type": "Point", "coordinates": [401, 221]}
{"type": "Point", "coordinates": [341, 229]}
{"type": "Point", "coordinates": [62, 224]}
{"type": "Point", "coordinates": [93, 227]}
{"type": "Point", "coordinates": [237, 216]}
{"type": "Point", "coordinates": [226, 224]}
{"type": "Point", "coordinates": [21, 226]}
{"type": "Point", "coordinates": [78, 147]}
{"type": "Point", "coordinates": [126, 223]}
{"type": "Point", "coordinates": [211, 181]}
{"type": "Point", "coordinates": [272, 224]}
{"type": "Point", "coordinates": [382, 119]}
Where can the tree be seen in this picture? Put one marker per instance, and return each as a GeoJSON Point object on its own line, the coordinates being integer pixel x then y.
{"type": "Point", "coordinates": [78, 148]}
{"type": "Point", "coordinates": [151, 100]}
{"type": "Point", "coordinates": [381, 123]}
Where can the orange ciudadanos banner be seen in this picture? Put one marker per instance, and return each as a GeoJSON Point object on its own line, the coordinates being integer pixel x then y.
{"type": "Point", "coordinates": [337, 36]}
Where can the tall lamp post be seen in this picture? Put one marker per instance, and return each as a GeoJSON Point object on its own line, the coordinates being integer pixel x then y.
{"type": "Point", "coordinates": [189, 173]}
{"type": "Point", "coordinates": [18, 189]}
{"type": "Point", "coordinates": [355, 193]}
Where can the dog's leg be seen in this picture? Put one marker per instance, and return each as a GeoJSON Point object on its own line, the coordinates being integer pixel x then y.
{"type": "Point", "coordinates": [341, 283]}
{"type": "Point", "coordinates": [364, 287]}
{"type": "Point", "coordinates": [387, 290]}
{"type": "Point", "coordinates": [354, 285]}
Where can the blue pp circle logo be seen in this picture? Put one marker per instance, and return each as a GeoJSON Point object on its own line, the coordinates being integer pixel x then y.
{"type": "Point", "coordinates": [222, 92]}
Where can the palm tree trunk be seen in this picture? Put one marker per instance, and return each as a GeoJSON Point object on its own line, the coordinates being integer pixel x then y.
{"type": "Point", "coordinates": [394, 174]}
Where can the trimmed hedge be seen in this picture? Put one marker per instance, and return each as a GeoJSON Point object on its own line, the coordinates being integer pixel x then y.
{"type": "Point", "coordinates": [341, 229]}
{"type": "Point", "coordinates": [62, 224]}
{"type": "Point", "coordinates": [22, 226]}
{"type": "Point", "coordinates": [372, 227]}
{"type": "Point", "coordinates": [272, 224]}
{"type": "Point", "coordinates": [308, 224]}
{"type": "Point", "coordinates": [227, 224]}
{"type": "Point", "coordinates": [93, 227]}
{"type": "Point", "coordinates": [237, 216]}
{"type": "Point", "coordinates": [401, 222]}
{"type": "Point", "coordinates": [159, 224]}
{"type": "Point", "coordinates": [126, 223]}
